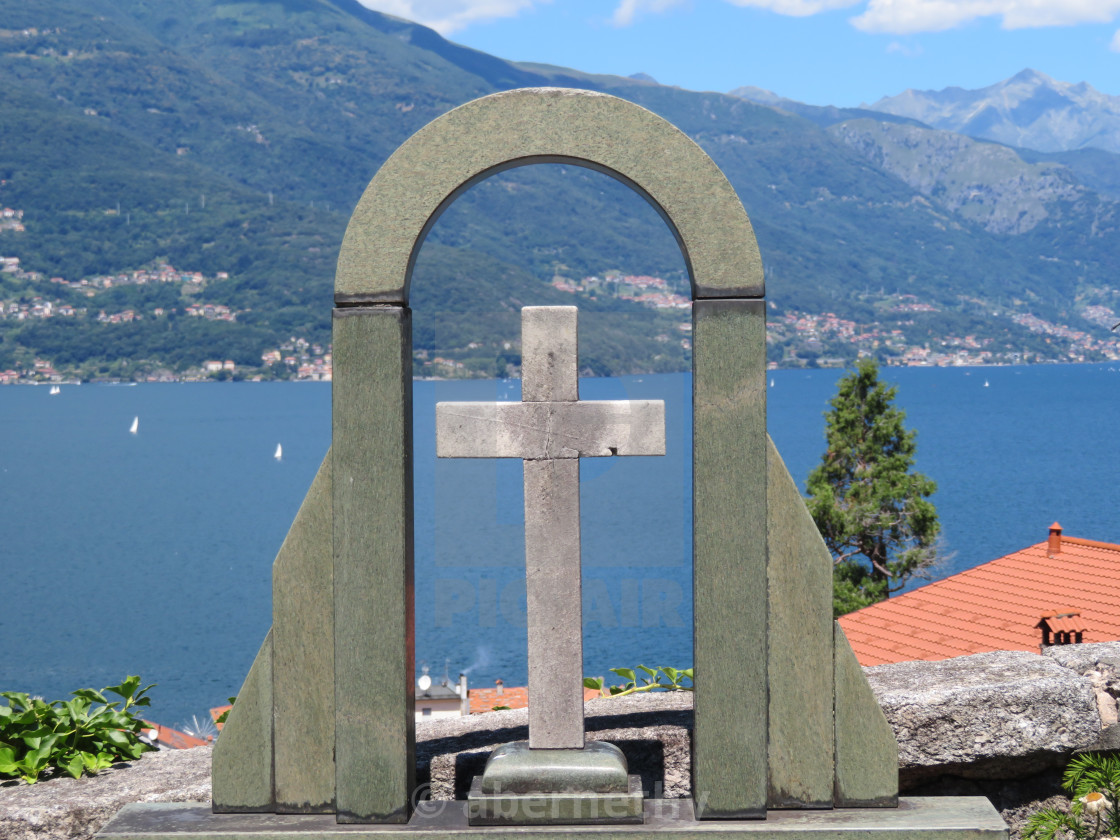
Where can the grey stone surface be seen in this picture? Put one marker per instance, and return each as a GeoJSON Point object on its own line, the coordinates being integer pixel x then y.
{"type": "Point", "coordinates": [303, 656]}
{"type": "Point", "coordinates": [1100, 664]}
{"type": "Point", "coordinates": [920, 818]}
{"type": "Point", "coordinates": [866, 750]}
{"type": "Point", "coordinates": [802, 746]}
{"type": "Point", "coordinates": [242, 775]}
{"type": "Point", "coordinates": [540, 430]}
{"type": "Point", "coordinates": [76, 809]}
{"type": "Point", "coordinates": [371, 468]}
{"type": "Point", "coordinates": [729, 537]}
{"type": "Point", "coordinates": [990, 715]}
{"type": "Point", "coordinates": [550, 436]}
{"type": "Point", "coordinates": [549, 353]}
{"type": "Point", "coordinates": [553, 604]}
{"type": "Point", "coordinates": [547, 125]}
{"type": "Point", "coordinates": [1086, 658]}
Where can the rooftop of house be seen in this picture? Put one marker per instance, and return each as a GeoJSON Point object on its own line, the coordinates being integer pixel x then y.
{"type": "Point", "coordinates": [485, 699]}
{"type": "Point", "coordinates": [508, 697]}
{"type": "Point", "coordinates": [1064, 585]}
{"type": "Point", "coordinates": [438, 691]}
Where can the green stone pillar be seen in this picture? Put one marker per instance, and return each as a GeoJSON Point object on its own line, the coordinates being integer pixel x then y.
{"type": "Point", "coordinates": [729, 445]}
{"type": "Point", "coordinates": [373, 594]}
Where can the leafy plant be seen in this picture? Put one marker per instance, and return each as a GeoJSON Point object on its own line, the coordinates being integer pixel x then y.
{"type": "Point", "coordinates": [83, 735]}
{"type": "Point", "coordinates": [221, 719]}
{"type": "Point", "coordinates": [652, 679]}
{"type": "Point", "coordinates": [1093, 781]}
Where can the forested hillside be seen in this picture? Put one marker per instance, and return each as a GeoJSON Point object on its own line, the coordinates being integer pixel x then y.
{"type": "Point", "coordinates": [230, 140]}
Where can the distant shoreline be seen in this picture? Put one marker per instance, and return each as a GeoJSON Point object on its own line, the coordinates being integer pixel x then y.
{"type": "Point", "coordinates": [769, 369]}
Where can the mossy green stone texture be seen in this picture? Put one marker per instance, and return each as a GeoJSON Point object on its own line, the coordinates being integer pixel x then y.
{"type": "Point", "coordinates": [303, 656]}
{"type": "Point", "coordinates": [866, 749]}
{"type": "Point", "coordinates": [730, 601]}
{"type": "Point", "coordinates": [241, 775]}
{"type": "Point", "coordinates": [916, 818]}
{"type": "Point", "coordinates": [371, 466]}
{"type": "Point", "coordinates": [547, 125]}
{"type": "Point", "coordinates": [800, 581]}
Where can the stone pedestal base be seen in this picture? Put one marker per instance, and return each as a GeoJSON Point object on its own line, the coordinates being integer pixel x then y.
{"type": "Point", "coordinates": [523, 786]}
{"type": "Point", "coordinates": [564, 808]}
{"type": "Point", "coordinates": [917, 818]}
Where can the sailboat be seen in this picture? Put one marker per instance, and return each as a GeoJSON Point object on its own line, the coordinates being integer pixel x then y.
{"type": "Point", "coordinates": [55, 390]}
{"type": "Point", "coordinates": [985, 383]}
{"type": "Point", "coordinates": [279, 453]}
{"type": "Point", "coordinates": [135, 425]}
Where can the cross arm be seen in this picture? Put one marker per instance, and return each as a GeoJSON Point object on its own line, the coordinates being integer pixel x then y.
{"type": "Point", "coordinates": [536, 431]}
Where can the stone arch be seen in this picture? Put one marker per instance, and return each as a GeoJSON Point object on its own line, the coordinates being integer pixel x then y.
{"type": "Point", "coordinates": [547, 125]}
{"type": "Point", "coordinates": [783, 715]}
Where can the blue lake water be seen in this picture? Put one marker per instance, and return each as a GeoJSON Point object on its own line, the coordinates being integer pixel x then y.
{"type": "Point", "coordinates": [151, 553]}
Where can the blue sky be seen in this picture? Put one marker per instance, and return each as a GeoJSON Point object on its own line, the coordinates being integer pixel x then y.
{"type": "Point", "coordinates": [824, 52]}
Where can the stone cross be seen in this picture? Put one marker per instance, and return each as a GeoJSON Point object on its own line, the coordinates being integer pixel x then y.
{"type": "Point", "coordinates": [550, 430]}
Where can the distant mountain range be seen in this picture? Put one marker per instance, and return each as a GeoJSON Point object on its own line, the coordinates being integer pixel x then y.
{"type": "Point", "coordinates": [1029, 110]}
{"type": "Point", "coordinates": [233, 139]}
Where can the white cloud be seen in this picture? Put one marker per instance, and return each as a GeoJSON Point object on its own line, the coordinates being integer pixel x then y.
{"type": "Point", "coordinates": [628, 10]}
{"type": "Point", "coordinates": [906, 17]}
{"type": "Point", "coordinates": [902, 17]}
{"type": "Point", "coordinates": [445, 16]}
{"type": "Point", "coordinates": [1115, 45]}
{"type": "Point", "coordinates": [796, 8]}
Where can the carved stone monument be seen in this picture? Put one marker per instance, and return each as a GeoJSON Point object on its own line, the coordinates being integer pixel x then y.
{"type": "Point", "coordinates": [554, 778]}
{"type": "Point", "coordinates": [322, 732]}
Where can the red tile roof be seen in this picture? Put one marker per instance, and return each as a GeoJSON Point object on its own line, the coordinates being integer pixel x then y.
{"type": "Point", "coordinates": [485, 699]}
{"type": "Point", "coordinates": [173, 739]}
{"type": "Point", "coordinates": [997, 605]}
{"type": "Point", "coordinates": [515, 697]}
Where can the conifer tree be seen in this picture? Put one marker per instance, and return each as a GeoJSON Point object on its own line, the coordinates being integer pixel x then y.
{"type": "Point", "coordinates": [870, 506]}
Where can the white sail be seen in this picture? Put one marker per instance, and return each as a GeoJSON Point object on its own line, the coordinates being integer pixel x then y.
{"type": "Point", "coordinates": [135, 425]}
{"type": "Point", "coordinates": [55, 390]}
{"type": "Point", "coordinates": [279, 454]}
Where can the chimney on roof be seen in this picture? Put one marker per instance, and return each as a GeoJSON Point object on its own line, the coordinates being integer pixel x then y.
{"type": "Point", "coordinates": [1066, 625]}
{"type": "Point", "coordinates": [1054, 543]}
{"type": "Point", "coordinates": [500, 688]}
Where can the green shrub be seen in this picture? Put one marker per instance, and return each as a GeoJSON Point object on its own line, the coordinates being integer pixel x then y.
{"type": "Point", "coordinates": [1093, 781]}
{"type": "Point", "coordinates": [83, 735]}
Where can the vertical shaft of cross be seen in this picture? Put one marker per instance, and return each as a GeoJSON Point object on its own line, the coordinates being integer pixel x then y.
{"type": "Point", "coordinates": [553, 592]}
{"type": "Point", "coordinates": [550, 430]}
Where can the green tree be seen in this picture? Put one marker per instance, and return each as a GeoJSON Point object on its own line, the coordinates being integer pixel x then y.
{"type": "Point", "coordinates": [870, 506]}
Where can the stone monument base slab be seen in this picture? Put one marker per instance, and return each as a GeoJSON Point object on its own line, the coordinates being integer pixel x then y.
{"type": "Point", "coordinates": [573, 807]}
{"type": "Point", "coordinates": [915, 818]}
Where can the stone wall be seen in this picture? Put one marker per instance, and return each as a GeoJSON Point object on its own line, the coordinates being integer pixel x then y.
{"type": "Point", "coordinates": [997, 724]}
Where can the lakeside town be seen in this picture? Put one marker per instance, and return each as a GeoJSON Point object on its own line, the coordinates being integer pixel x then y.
{"type": "Point", "coordinates": [794, 338]}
